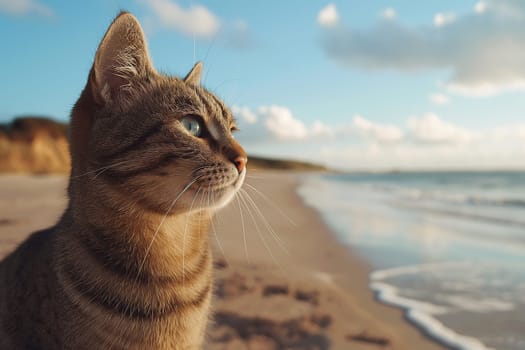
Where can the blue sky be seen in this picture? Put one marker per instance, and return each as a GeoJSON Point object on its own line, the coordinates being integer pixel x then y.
{"type": "Point", "coordinates": [352, 84]}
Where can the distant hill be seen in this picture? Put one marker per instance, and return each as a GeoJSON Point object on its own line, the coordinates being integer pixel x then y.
{"type": "Point", "coordinates": [34, 144]}
{"type": "Point", "coordinates": [255, 162]}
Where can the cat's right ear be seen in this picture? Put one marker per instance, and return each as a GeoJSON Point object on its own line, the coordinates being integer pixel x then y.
{"type": "Point", "coordinates": [194, 76]}
{"type": "Point", "coordinates": [121, 58]}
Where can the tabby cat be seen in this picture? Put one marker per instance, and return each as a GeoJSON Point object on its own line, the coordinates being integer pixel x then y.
{"type": "Point", "coordinates": [128, 265]}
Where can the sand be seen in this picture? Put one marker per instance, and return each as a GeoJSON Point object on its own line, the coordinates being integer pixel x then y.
{"type": "Point", "coordinates": [283, 281]}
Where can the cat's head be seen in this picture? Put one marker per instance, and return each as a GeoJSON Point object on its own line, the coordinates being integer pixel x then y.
{"type": "Point", "coordinates": [163, 142]}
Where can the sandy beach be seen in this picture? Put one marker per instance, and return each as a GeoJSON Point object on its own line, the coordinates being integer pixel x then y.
{"type": "Point", "coordinates": [283, 281]}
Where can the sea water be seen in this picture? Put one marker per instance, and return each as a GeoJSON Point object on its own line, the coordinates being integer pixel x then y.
{"type": "Point", "coordinates": [447, 247]}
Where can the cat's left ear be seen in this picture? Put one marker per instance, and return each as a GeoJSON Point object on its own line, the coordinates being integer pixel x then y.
{"type": "Point", "coordinates": [194, 76]}
{"type": "Point", "coordinates": [121, 58]}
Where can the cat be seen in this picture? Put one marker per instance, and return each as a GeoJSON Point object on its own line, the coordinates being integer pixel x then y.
{"type": "Point", "coordinates": [128, 265]}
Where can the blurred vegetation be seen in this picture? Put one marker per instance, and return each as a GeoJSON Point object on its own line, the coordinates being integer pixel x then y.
{"type": "Point", "coordinates": [282, 164]}
{"type": "Point", "coordinates": [33, 144]}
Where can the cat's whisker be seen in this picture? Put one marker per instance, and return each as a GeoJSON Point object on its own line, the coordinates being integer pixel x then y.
{"type": "Point", "coordinates": [193, 35]}
{"type": "Point", "coordinates": [272, 203]}
{"type": "Point", "coordinates": [265, 221]}
{"type": "Point", "coordinates": [226, 81]}
{"type": "Point", "coordinates": [104, 168]}
{"type": "Point", "coordinates": [257, 228]}
{"type": "Point", "coordinates": [184, 234]}
{"type": "Point", "coordinates": [162, 222]}
{"type": "Point", "coordinates": [261, 215]}
{"type": "Point", "coordinates": [243, 227]}
{"type": "Point", "coordinates": [198, 169]}
{"type": "Point", "coordinates": [101, 172]}
{"type": "Point", "coordinates": [212, 219]}
{"type": "Point", "coordinates": [205, 59]}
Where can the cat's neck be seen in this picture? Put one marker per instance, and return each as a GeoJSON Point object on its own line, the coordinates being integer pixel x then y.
{"type": "Point", "coordinates": [139, 265]}
{"type": "Point", "coordinates": [145, 242]}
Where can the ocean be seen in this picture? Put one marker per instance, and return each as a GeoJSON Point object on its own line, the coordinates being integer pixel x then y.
{"type": "Point", "coordinates": [447, 247]}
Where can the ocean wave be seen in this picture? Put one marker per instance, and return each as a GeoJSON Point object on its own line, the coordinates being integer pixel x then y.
{"type": "Point", "coordinates": [465, 224]}
{"type": "Point", "coordinates": [422, 315]}
{"type": "Point", "coordinates": [464, 213]}
{"type": "Point", "coordinates": [478, 305]}
{"type": "Point", "coordinates": [388, 294]}
{"type": "Point", "coordinates": [481, 190]}
{"type": "Point", "coordinates": [470, 206]}
{"type": "Point", "coordinates": [425, 315]}
{"type": "Point", "coordinates": [442, 334]}
{"type": "Point", "coordinates": [379, 275]}
{"type": "Point", "coordinates": [472, 200]}
{"type": "Point", "coordinates": [449, 196]}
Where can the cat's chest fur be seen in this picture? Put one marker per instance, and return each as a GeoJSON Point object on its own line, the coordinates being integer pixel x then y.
{"type": "Point", "coordinates": [128, 266]}
{"type": "Point", "coordinates": [70, 294]}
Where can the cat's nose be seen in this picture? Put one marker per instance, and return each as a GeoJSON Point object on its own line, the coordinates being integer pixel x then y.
{"type": "Point", "coordinates": [237, 155]}
{"type": "Point", "coordinates": [240, 163]}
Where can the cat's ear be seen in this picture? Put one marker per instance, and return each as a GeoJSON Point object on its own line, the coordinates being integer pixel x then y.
{"type": "Point", "coordinates": [122, 56]}
{"type": "Point", "coordinates": [194, 76]}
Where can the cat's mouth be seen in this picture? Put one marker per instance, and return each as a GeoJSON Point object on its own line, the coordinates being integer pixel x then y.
{"type": "Point", "coordinates": [219, 193]}
{"type": "Point", "coordinates": [215, 185]}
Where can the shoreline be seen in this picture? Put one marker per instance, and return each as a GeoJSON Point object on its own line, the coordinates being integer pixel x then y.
{"type": "Point", "coordinates": [316, 260]}
{"type": "Point", "coordinates": [439, 268]}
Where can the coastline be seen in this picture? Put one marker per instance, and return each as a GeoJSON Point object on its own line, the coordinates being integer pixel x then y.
{"type": "Point", "coordinates": [307, 291]}
{"type": "Point", "coordinates": [313, 261]}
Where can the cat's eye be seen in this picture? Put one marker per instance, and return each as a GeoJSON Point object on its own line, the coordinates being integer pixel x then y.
{"type": "Point", "coordinates": [192, 125]}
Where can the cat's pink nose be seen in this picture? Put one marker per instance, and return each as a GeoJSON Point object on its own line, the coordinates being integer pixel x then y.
{"type": "Point", "coordinates": [240, 163]}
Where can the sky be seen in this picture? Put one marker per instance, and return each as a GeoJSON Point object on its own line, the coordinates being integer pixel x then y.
{"type": "Point", "coordinates": [355, 85]}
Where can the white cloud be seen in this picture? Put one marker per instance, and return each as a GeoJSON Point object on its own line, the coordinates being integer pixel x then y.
{"type": "Point", "coordinates": [443, 19]}
{"type": "Point", "coordinates": [245, 113]}
{"type": "Point", "coordinates": [487, 88]}
{"type": "Point", "coordinates": [377, 132]}
{"type": "Point", "coordinates": [439, 99]}
{"type": "Point", "coordinates": [281, 123]}
{"type": "Point", "coordinates": [431, 129]}
{"type": "Point", "coordinates": [422, 142]}
{"type": "Point", "coordinates": [480, 7]}
{"type": "Point", "coordinates": [389, 13]}
{"type": "Point", "coordinates": [196, 20]}
{"type": "Point", "coordinates": [22, 7]}
{"type": "Point", "coordinates": [320, 129]}
{"type": "Point", "coordinates": [484, 55]}
{"type": "Point", "coordinates": [404, 156]}
{"type": "Point", "coordinates": [432, 143]}
{"type": "Point", "coordinates": [274, 122]}
{"type": "Point", "coordinates": [328, 16]}
{"type": "Point", "coordinates": [506, 133]}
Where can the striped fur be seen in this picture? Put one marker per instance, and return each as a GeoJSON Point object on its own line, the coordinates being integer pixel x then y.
{"type": "Point", "coordinates": [128, 266]}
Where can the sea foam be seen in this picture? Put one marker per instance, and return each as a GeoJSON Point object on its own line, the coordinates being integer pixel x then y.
{"type": "Point", "coordinates": [421, 314]}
